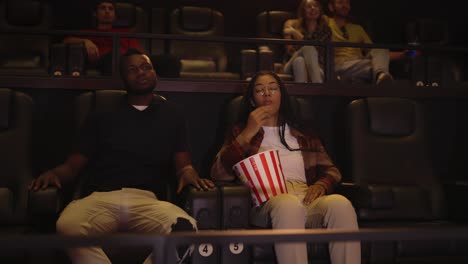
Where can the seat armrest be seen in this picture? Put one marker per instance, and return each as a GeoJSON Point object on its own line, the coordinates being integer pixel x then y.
{"type": "Point", "coordinates": [455, 192]}
{"type": "Point", "coordinates": [228, 183]}
{"type": "Point", "coordinates": [58, 59]}
{"type": "Point", "coordinates": [248, 63]}
{"type": "Point", "coordinates": [204, 206]}
{"type": "Point", "coordinates": [358, 195]}
{"type": "Point", "coordinates": [44, 206]}
{"type": "Point", "coordinates": [265, 60]}
{"type": "Point", "coordinates": [45, 201]}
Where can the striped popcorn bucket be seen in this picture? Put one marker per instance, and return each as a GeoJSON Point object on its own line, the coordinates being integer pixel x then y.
{"type": "Point", "coordinates": [263, 174]}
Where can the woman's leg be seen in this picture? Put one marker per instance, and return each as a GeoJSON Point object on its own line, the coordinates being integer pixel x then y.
{"type": "Point", "coordinates": [336, 212]}
{"type": "Point", "coordinates": [296, 65]}
{"type": "Point", "coordinates": [286, 212]}
{"type": "Point", "coordinates": [310, 55]}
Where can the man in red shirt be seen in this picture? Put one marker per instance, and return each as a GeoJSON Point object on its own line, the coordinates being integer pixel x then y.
{"type": "Point", "coordinates": [99, 49]}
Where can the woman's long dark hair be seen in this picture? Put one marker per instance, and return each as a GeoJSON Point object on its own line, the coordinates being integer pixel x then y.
{"type": "Point", "coordinates": [321, 23]}
{"type": "Point", "coordinates": [286, 115]}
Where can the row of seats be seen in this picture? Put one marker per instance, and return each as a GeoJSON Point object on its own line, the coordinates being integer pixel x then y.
{"type": "Point", "coordinates": [30, 54]}
{"type": "Point", "coordinates": [430, 69]}
{"type": "Point", "coordinates": [394, 183]}
{"type": "Point", "coordinates": [198, 59]}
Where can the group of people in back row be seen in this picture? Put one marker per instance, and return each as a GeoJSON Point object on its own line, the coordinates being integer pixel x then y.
{"type": "Point", "coordinates": [306, 63]}
{"type": "Point", "coordinates": [127, 151]}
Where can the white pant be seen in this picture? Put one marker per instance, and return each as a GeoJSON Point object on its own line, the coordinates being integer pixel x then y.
{"type": "Point", "coordinates": [330, 211]}
{"type": "Point", "coordinates": [122, 210]}
{"type": "Point", "coordinates": [304, 65]}
{"type": "Point", "coordinates": [376, 61]}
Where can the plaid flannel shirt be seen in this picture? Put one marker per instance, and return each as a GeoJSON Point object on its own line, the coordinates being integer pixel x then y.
{"type": "Point", "coordinates": [319, 169]}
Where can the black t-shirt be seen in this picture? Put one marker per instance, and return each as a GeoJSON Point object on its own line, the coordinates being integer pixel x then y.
{"type": "Point", "coordinates": [130, 148]}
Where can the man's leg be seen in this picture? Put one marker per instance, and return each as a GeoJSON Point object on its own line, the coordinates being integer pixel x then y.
{"type": "Point", "coordinates": [146, 214]}
{"type": "Point", "coordinates": [355, 68]}
{"type": "Point", "coordinates": [92, 215]}
{"type": "Point", "coordinates": [380, 59]}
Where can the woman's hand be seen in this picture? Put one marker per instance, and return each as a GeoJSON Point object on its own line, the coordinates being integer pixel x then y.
{"type": "Point", "coordinates": [256, 120]}
{"type": "Point", "coordinates": [315, 191]}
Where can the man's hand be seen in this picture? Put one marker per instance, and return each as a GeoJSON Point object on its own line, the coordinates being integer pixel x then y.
{"type": "Point", "coordinates": [315, 191]}
{"type": "Point", "coordinates": [44, 180]}
{"type": "Point", "coordinates": [188, 175]}
{"type": "Point", "coordinates": [92, 50]}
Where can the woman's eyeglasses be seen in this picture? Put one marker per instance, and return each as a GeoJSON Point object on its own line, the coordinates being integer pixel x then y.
{"type": "Point", "coordinates": [262, 90]}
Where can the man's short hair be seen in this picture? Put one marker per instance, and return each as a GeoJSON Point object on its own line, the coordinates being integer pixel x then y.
{"type": "Point", "coordinates": [98, 2]}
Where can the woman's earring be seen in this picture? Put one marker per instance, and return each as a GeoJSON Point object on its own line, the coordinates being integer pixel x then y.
{"type": "Point", "coordinates": [252, 103]}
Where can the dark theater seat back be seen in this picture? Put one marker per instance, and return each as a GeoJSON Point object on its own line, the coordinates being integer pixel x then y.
{"type": "Point", "coordinates": [22, 53]}
{"type": "Point", "coordinates": [389, 156]}
{"type": "Point", "coordinates": [15, 167]}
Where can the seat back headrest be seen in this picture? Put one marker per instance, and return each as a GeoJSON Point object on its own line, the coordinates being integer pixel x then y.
{"type": "Point", "coordinates": [428, 31]}
{"type": "Point", "coordinates": [125, 14]}
{"type": "Point", "coordinates": [196, 19]}
{"type": "Point", "coordinates": [270, 23]}
{"type": "Point", "coordinates": [391, 116]}
{"type": "Point", "coordinates": [106, 100]}
{"type": "Point", "coordinates": [24, 13]}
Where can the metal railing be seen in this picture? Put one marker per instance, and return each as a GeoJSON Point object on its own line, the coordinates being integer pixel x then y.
{"type": "Point", "coordinates": [329, 46]}
{"type": "Point", "coordinates": [164, 245]}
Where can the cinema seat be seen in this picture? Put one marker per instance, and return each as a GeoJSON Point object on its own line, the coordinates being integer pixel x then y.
{"type": "Point", "coordinates": [207, 60]}
{"type": "Point", "coordinates": [16, 110]}
{"type": "Point", "coordinates": [270, 25]}
{"type": "Point", "coordinates": [202, 205]}
{"type": "Point", "coordinates": [24, 54]}
{"type": "Point", "coordinates": [236, 201]}
{"type": "Point", "coordinates": [390, 158]}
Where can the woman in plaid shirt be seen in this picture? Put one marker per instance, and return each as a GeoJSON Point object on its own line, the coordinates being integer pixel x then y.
{"type": "Point", "coordinates": [268, 122]}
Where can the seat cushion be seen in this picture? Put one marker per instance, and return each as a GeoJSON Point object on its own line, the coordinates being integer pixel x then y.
{"type": "Point", "coordinates": [210, 75]}
{"type": "Point", "coordinates": [198, 65]}
{"type": "Point", "coordinates": [19, 61]}
{"type": "Point", "coordinates": [397, 202]}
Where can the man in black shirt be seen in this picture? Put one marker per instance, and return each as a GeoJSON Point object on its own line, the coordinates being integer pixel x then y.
{"type": "Point", "coordinates": [128, 150]}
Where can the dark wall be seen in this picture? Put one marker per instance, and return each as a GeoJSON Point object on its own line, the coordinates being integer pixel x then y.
{"type": "Point", "coordinates": [388, 17]}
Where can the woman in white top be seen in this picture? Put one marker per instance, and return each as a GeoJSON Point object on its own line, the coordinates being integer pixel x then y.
{"type": "Point", "coordinates": [268, 122]}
